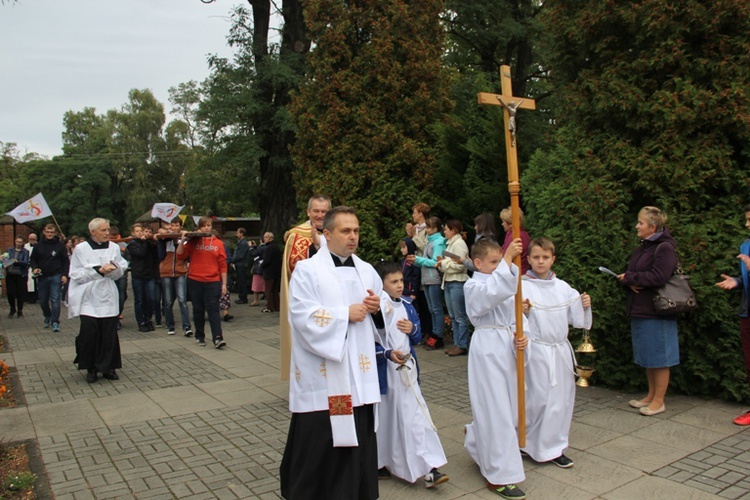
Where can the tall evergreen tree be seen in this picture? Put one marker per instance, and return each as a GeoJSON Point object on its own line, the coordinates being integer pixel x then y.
{"type": "Point", "coordinates": [654, 110]}
{"type": "Point", "coordinates": [482, 36]}
{"type": "Point", "coordinates": [375, 87]}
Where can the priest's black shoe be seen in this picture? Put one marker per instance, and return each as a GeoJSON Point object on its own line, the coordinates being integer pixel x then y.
{"type": "Point", "coordinates": [111, 375]}
{"type": "Point", "coordinates": [91, 377]}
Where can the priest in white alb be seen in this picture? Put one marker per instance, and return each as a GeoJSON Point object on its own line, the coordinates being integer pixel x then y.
{"type": "Point", "coordinates": [331, 450]}
{"type": "Point", "coordinates": [92, 295]}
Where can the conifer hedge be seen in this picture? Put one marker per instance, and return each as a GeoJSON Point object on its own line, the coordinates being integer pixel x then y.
{"type": "Point", "coordinates": [654, 109]}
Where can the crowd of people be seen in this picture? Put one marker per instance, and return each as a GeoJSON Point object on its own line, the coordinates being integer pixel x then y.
{"type": "Point", "coordinates": [89, 277]}
{"type": "Point", "coordinates": [349, 331]}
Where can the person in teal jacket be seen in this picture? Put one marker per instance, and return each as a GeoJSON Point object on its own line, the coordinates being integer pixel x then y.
{"type": "Point", "coordinates": [432, 280]}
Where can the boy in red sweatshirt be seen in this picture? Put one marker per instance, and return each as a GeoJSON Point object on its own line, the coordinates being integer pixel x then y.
{"type": "Point", "coordinates": [207, 280]}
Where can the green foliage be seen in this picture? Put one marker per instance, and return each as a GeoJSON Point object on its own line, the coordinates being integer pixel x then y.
{"type": "Point", "coordinates": [471, 174]}
{"type": "Point", "coordinates": [374, 88]}
{"type": "Point", "coordinates": [12, 176]}
{"type": "Point", "coordinates": [653, 111]}
{"type": "Point", "coordinates": [19, 482]}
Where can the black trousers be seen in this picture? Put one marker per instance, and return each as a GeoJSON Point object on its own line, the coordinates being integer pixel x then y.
{"type": "Point", "coordinates": [98, 345]}
{"type": "Point", "coordinates": [205, 297]}
{"type": "Point", "coordinates": [241, 282]}
{"type": "Point", "coordinates": [16, 285]}
{"type": "Point", "coordinates": [313, 469]}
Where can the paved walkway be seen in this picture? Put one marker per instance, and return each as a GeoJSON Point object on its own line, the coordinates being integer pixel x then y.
{"type": "Point", "coordinates": [191, 422]}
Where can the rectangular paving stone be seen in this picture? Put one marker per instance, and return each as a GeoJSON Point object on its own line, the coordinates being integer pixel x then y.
{"type": "Point", "coordinates": [713, 472]}
{"type": "Point", "coordinates": [710, 488]}
{"type": "Point", "coordinates": [731, 477]}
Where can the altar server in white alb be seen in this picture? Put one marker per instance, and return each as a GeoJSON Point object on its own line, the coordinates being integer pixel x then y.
{"type": "Point", "coordinates": [93, 296]}
{"type": "Point", "coordinates": [491, 439]}
{"type": "Point", "coordinates": [331, 449]}
{"type": "Point", "coordinates": [408, 442]}
{"type": "Point", "coordinates": [550, 305]}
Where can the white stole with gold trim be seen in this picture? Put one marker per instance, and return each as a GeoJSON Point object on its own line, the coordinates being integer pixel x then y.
{"type": "Point", "coordinates": [338, 380]}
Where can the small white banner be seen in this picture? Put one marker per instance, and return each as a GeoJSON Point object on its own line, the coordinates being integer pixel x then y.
{"type": "Point", "coordinates": [33, 209]}
{"type": "Point", "coordinates": [165, 211]}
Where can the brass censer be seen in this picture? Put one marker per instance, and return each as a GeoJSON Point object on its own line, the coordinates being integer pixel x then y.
{"type": "Point", "coordinates": [584, 372]}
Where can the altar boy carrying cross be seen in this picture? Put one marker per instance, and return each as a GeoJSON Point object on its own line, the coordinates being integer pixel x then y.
{"type": "Point", "coordinates": [489, 302]}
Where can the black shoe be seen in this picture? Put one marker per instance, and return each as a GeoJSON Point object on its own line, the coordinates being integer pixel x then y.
{"type": "Point", "coordinates": [188, 332]}
{"type": "Point", "coordinates": [143, 328]}
{"type": "Point", "coordinates": [150, 326]}
{"type": "Point", "coordinates": [384, 473]}
{"type": "Point", "coordinates": [200, 342]}
{"type": "Point", "coordinates": [433, 478]}
{"type": "Point", "coordinates": [562, 461]}
{"type": "Point", "coordinates": [219, 343]}
{"type": "Point", "coordinates": [240, 301]}
{"type": "Point", "coordinates": [20, 314]}
{"type": "Point", "coordinates": [509, 491]}
{"type": "Point", "coordinates": [12, 313]}
{"type": "Point", "coordinates": [111, 375]}
{"type": "Point", "coordinates": [228, 317]}
{"type": "Point", "coordinates": [91, 377]}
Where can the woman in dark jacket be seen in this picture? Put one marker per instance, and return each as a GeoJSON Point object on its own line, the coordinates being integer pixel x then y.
{"type": "Point", "coordinates": [655, 345]}
{"type": "Point", "coordinates": [16, 273]}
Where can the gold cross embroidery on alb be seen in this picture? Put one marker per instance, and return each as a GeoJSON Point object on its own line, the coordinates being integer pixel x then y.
{"type": "Point", "coordinates": [364, 363]}
{"type": "Point", "coordinates": [322, 317]}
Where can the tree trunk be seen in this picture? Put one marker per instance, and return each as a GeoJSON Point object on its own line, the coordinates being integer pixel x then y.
{"type": "Point", "coordinates": [278, 204]}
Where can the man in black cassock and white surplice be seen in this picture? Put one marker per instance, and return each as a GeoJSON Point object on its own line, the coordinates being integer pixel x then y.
{"type": "Point", "coordinates": [93, 296]}
{"type": "Point", "coordinates": [331, 450]}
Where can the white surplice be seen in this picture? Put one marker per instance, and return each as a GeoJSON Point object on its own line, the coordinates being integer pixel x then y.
{"type": "Point", "coordinates": [491, 439]}
{"type": "Point", "coordinates": [550, 375]}
{"type": "Point", "coordinates": [328, 350]}
{"type": "Point", "coordinates": [408, 443]}
{"type": "Point", "coordinates": [90, 293]}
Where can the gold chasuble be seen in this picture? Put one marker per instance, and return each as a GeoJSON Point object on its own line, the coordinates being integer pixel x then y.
{"type": "Point", "coordinates": [297, 243]}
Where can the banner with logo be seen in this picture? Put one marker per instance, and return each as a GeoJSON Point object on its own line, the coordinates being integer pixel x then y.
{"type": "Point", "coordinates": [32, 209]}
{"type": "Point", "coordinates": [165, 211]}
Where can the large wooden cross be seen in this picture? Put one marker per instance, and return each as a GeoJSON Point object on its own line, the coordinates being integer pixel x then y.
{"type": "Point", "coordinates": [510, 105]}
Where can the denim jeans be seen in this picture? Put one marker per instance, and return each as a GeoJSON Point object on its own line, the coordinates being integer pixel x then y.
{"type": "Point", "coordinates": [49, 289]}
{"type": "Point", "coordinates": [143, 299]}
{"type": "Point", "coordinates": [158, 302]}
{"type": "Point", "coordinates": [454, 299]}
{"type": "Point", "coordinates": [435, 303]}
{"type": "Point", "coordinates": [175, 287]}
{"type": "Point", "coordinates": [205, 297]}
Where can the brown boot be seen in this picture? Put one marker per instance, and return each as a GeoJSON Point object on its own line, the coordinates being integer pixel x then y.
{"type": "Point", "coordinates": [456, 351]}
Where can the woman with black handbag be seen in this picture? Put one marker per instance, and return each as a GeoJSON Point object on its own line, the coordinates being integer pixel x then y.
{"type": "Point", "coordinates": [16, 272]}
{"type": "Point", "coordinates": [654, 335]}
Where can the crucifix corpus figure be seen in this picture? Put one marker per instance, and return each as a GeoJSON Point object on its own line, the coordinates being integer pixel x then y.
{"type": "Point", "coordinates": [511, 104]}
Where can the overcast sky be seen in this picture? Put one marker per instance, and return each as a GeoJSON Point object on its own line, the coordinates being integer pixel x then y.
{"type": "Point", "coordinates": [60, 55]}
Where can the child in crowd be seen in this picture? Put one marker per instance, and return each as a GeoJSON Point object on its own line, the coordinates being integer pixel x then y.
{"type": "Point", "coordinates": [408, 442]}
{"type": "Point", "coordinates": [491, 438]}
{"type": "Point", "coordinates": [432, 280]}
{"type": "Point", "coordinates": [550, 305]}
{"type": "Point", "coordinates": [411, 273]}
